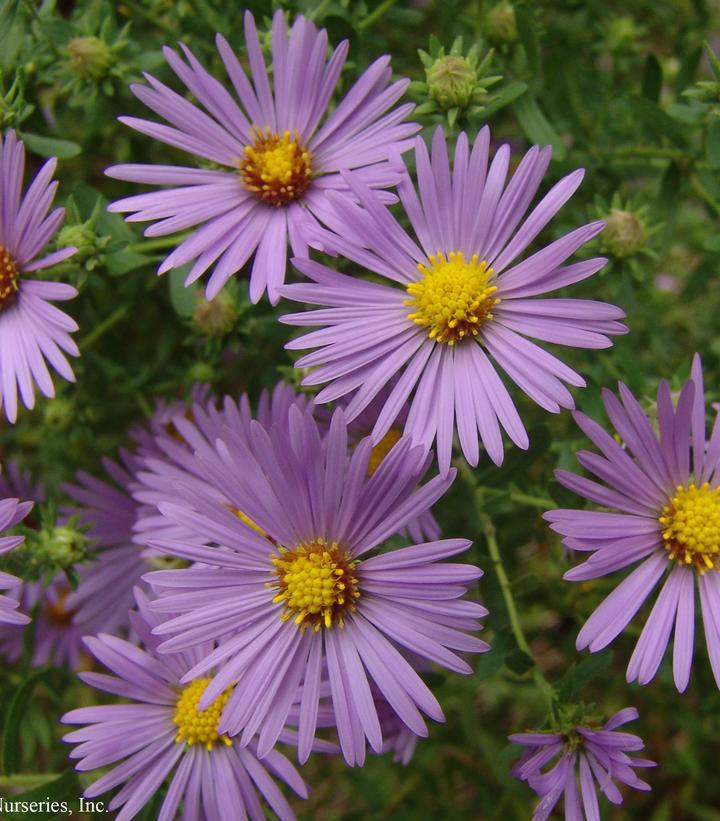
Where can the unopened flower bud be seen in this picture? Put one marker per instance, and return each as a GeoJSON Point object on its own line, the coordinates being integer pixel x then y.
{"type": "Point", "coordinates": [451, 81]}
{"type": "Point", "coordinates": [90, 57]}
{"type": "Point", "coordinates": [215, 317]}
{"type": "Point", "coordinates": [59, 547]}
{"type": "Point", "coordinates": [500, 24]}
{"type": "Point", "coordinates": [625, 233]}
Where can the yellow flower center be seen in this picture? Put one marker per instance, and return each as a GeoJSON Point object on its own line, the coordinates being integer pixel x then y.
{"type": "Point", "coordinates": [276, 168]}
{"type": "Point", "coordinates": [381, 450]}
{"type": "Point", "coordinates": [317, 584]}
{"type": "Point", "coordinates": [57, 613]}
{"type": "Point", "coordinates": [691, 526]}
{"type": "Point", "coordinates": [453, 298]}
{"type": "Point", "coordinates": [199, 726]}
{"type": "Point", "coordinates": [248, 521]}
{"type": "Point", "coordinates": [9, 276]}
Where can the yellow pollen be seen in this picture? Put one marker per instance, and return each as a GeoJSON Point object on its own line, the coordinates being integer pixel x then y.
{"type": "Point", "coordinates": [9, 276]}
{"type": "Point", "coordinates": [248, 521]}
{"type": "Point", "coordinates": [454, 297]}
{"type": "Point", "coordinates": [199, 726]}
{"type": "Point", "coordinates": [276, 168]}
{"type": "Point", "coordinates": [691, 526]}
{"type": "Point", "coordinates": [381, 450]}
{"type": "Point", "coordinates": [316, 583]}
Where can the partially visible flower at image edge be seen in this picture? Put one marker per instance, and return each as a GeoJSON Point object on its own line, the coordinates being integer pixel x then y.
{"type": "Point", "coordinates": [12, 512]}
{"type": "Point", "coordinates": [282, 161]}
{"type": "Point", "coordinates": [596, 757]}
{"type": "Point", "coordinates": [661, 491]}
{"type": "Point", "coordinates": [32, 330]}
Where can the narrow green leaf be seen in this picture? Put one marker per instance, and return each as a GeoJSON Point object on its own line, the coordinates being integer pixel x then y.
{"type": "Point", "coordinates": [712, 143]}
{"type": "Point", "coordinates": [182, 299]}
{"type": "Point", "coordinates": [508, 94]}
{"type": "Point", "coordinates": [13, 718]}
{"type": "Point", "coordinates": [652, 78]}
{"type": "Point", "coordinates": [528, 36]}
{"type": "Point", "coordinates": [519, 661]}
{"type": "Point", "coordinates": [51, 147]}
{"type": "Point", "coordinates": [536, 126]}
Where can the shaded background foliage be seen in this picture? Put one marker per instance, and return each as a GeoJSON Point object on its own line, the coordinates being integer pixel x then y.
{"type": "Point", "coordinates": [624, 90]}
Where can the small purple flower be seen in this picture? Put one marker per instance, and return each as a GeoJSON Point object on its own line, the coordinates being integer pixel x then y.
{"type": "Point", "coordinates": [661, 494]}
{"type": "Point", "coordinates": [458, 296]}
{"type": "Point", "coordinates": [304, 599]}
{"type": "Point", "coordinates": [32, 330]}
{"type": "Point", "coordinates": [594, 758]}
{"type": "Point", "coordinates": [160, 733]}
{"type": "Point", "coordinates": [12, 512]}
{"type": "Point", "coordinates": [282, 162]}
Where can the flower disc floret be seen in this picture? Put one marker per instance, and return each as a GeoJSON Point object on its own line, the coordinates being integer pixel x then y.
{"type": "Point", "coordinates": [197, 726]}
{"type": "Point", "coordinates": [691, 526]}
{"type": "Point", "coordinates": [454, 297]}
{"type": "Point", "coordinates": [381, 450]}
{"type": "Point", "coordinates": [317, 584]}
{"type": "Point", "coordinates": [9, 276]}
{"type": "Point", "coordinates": [277, 168]}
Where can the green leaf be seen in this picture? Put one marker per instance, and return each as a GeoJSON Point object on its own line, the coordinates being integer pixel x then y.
{"type": "Point", "coordinates": [528, 36]}
{"type": "Point", "coordinates": [13, 719]}
{"type": "Point", "coordinates": [519, 661]}
{"type": "Point", "coordinates": [712, 143]}
{"type": "Point", "coordinates": [652, 78]}
{"type": "Point", "coordinates": [51, 147]}
{"type": "Point", "coordinates": [508, 94]}
{"type": "Point", "coordinates": [62, 793]}
{"type": "Point", "coordinates": [536, 126]}
{"type": "Point", "coordinates": [124, 261]}
{"type": "Point", "coordinates": [182, 299]}
{"type": "Point", "coordinates": [579, 675]}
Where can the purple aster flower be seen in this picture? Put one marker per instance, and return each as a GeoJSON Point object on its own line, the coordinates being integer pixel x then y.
{"type": "Point", "coordinates": [32, 330]}
{"type": "Point", "coordinates": [307, 598]}
{"type": "Point", "coordinates": [460, 296]}
{"type": "Point", "coordinates": [170, 456]}
{"type": "Point", "coordinates": [161, 733]}
{"type": "Point", "coordinates": [12, 512]}
{"type": "Point", "coordinates": [282, 158]}
{"type": "Point", "coordinates": [425, 527]}
{"type": "Point", "coordinates": [19, 483]}
{"type": "Point", "coordinates": [594, 758]}
{"type": "Point", "coordinates": [661, 492]}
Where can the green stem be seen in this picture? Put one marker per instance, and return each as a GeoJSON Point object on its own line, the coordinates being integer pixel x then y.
{"type": "Point", "coordinates": [704, 194]}
{"type": "Point", "coordinates": [505, 587]}
{"type": "Point", "coordinates": [155, 244]}
{"type": "Point", "coordinates": [533, 501]}
{"type": "Point", "coordinates": [376, 14]}
{"type": "Point", "coordinates": [646, 151]}
{"type": "Point", "coordinates": [103, 327]}
{"type": "Point", "coordinates": [319, 9]}
{"type": "Point", "coordinates": [26, 780]}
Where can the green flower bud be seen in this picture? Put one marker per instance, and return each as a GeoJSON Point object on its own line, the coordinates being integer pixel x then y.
{"type": "Point", "coordinates": [82, 236]}
{"type": "Point", "coordinates": [59, 547]}
{"type": "Point", "coordinates": [625, 233]}
{"type": "Point", "coordinates": [59, 413]}
{"type": "Point", "coordinates": [451, 81]}
{"type": "Point", "coordinates": [201, 372]}
{"type": "Point", "coordinates": [216, 317]}
{"type": "Point", "coordinates": [500, 24]}
{"type": "Point", "coordinates": [90, 57]}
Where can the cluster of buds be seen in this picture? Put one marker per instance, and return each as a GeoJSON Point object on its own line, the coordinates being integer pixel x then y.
{"type": "Point", "coordinates": [84, 236]}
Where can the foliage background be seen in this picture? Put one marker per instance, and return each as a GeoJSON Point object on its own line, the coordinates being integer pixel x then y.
{"type": "Point", "coordinates": [614, 87]}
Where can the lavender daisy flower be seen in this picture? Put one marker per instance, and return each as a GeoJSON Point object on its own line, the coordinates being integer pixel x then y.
{"type": "Point", "coordinates": [19, 483]}
{"type": "Point", "coordinates": [305, 598]}
{"type": "Point", "coordinates": [596, 758]}
{"type": "Point", "coordinates": [163, 733]}
{"type": "Point", "coordinates": [458, 296]}
{"type": "Point", "coordinates": [12, 512]}
{"type": "Point", "coordinates": [425, 527]}
{"type": "Point", "coordinates": [169, 456]}
{"type": "Point", "coordinates": [282, 161]}
{"type": "Point", "coordinates": [32, 330]}
{"type": "Point", "coordinates": [662, 498]}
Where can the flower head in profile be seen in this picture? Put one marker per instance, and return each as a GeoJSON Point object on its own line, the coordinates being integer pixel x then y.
{"type": "Point", "coordinates": [460, 302]}
{"type": "Point", "coordinates": [299, 581]}
{"type": "Point", "coordinates": [595, 758]}
{"type": "Point", "coordinates": [12, 512]}
{"type": "Point", "coordinates": [33, 331]}
{"type": "Point", "coordinates": [161, 734]}
{"type": "Point", "coordinates": [277, 150]}
{"type": "Point", "coordinates": [661, 497]}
